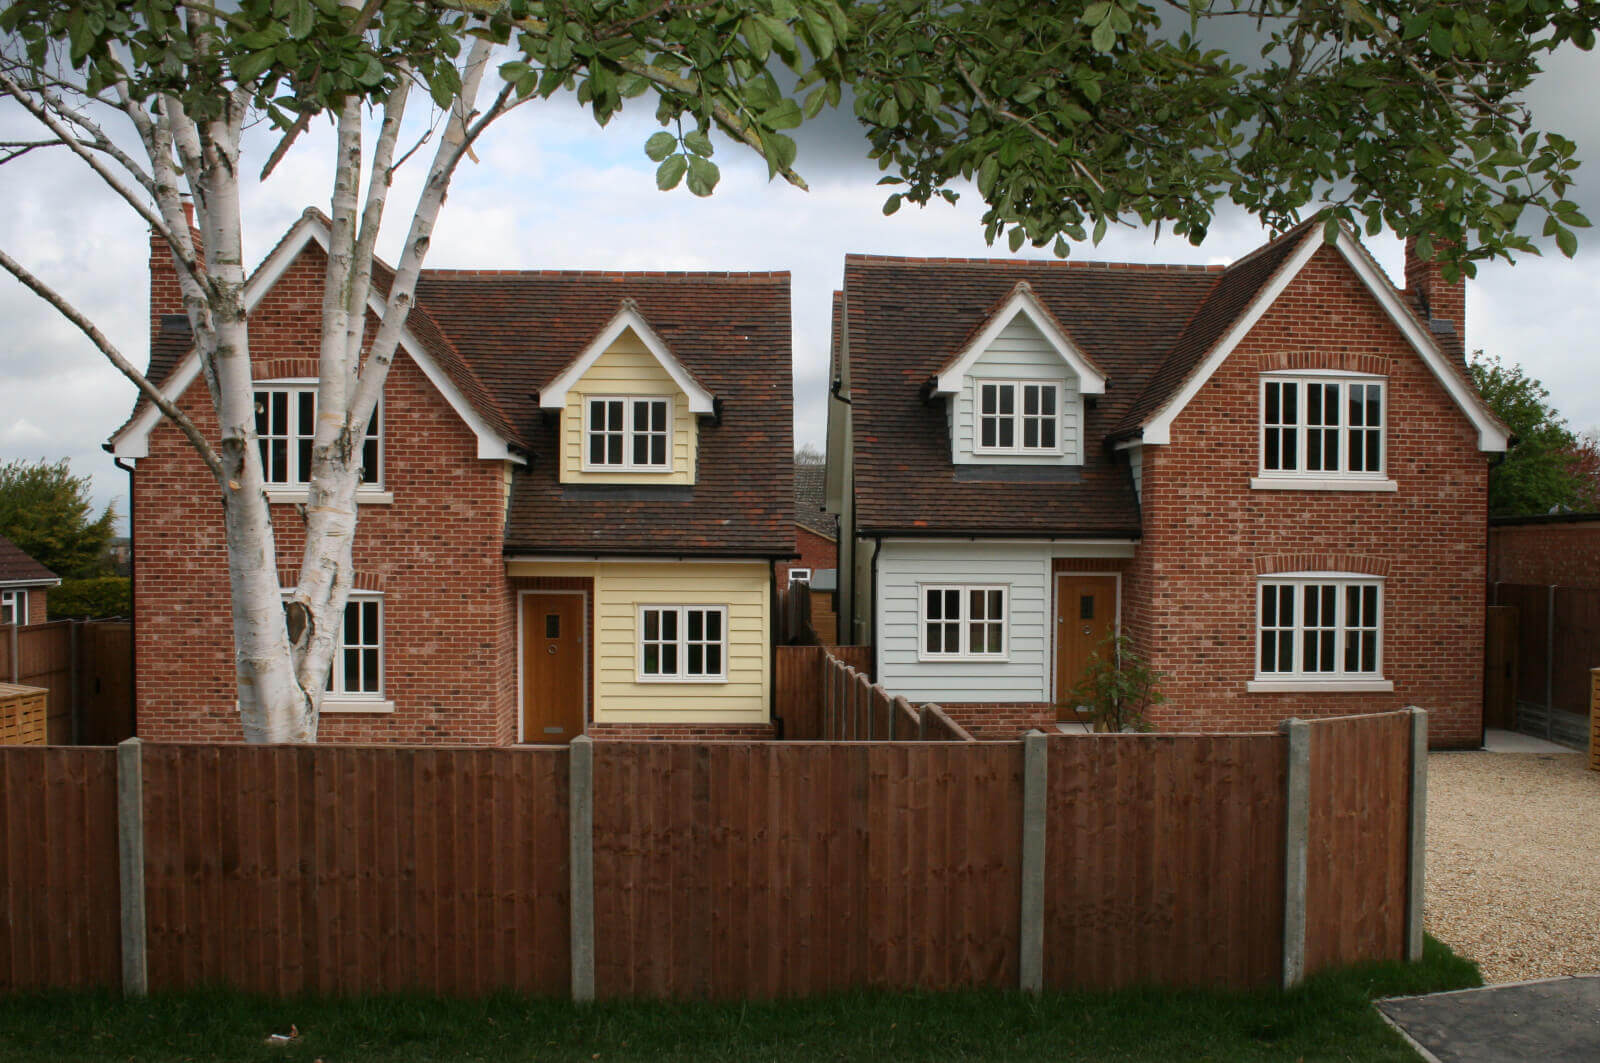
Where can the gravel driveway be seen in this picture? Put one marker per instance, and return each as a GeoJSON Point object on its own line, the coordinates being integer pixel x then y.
{"type": "Point", "coordinates": [1514, 862]}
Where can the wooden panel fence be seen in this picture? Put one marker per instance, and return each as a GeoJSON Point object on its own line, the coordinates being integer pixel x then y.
{"type": "Point", "coordinates": [1557, 642]}
{"type": "Point", "coordinates": [1357, 843]}
{"type": "Point", "coordinates": [720, 869]}
{"type": "Point", "coordinates": [825, 692]}
{"type": "Point", "coordinates": [58, 869]}
{"type": "Point", "coordinates": [87, 665]}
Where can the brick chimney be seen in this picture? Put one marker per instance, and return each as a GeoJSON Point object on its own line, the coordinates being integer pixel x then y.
{"type": "Point", "coordinates": [1436, 299]}
{"type": "Point", "coordinates": [166, 297]}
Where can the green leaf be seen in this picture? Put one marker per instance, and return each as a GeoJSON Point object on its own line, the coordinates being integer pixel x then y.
{"type": "Point", "coordinates": [1096, 13]}
{"type": "Point", "coordinates": [987, 173]}
{"type": "Point", "coordinates": [1104, 37]}
{"type": "Point", "coordinates": [302, 17]}
{"type": "Point", "coordinates": [1330, 229]}
{"type": "Point", "coordinates": [891, 204]}
{"type": "Point", "coordinates": [1567, 240]}
{"type": "Point", "coordinates": [785, 114]}
{"type": "Point", "coordinates": [1016, 237]}
{"type": "Point", "coordinates": [670, 172]}
{"type": "Point", "coordinates": [821, 32]}
{"type": "Point", "coordinates": [699, 143]}
{"type": "Point", "coordinates": [703, 175]}
{"type": "Point", "coordinates": [660, 145]}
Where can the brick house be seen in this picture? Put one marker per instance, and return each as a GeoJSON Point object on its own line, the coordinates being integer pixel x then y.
{"type": "Point", "coordinates": [577, 490]}
{"type": "Point", "coordinates": [1271, 477]}
{"type": "Point", "coordinates": [817, 538]}
{"type": "Point", "coordinates": [24, 586]}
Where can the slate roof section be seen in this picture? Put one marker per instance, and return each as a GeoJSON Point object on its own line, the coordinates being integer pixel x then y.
{"type": "Point", "coordinates": [810, 495]}
{"type": "Point", "coordinates": [907, 317]}
{"type": "Point", "coordinates": [517, 330]}
{"type": "Point", "coordinates": [17, 567]}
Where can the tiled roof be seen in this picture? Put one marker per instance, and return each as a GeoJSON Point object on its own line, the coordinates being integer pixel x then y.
{"type": "Point", "coordinates": [907, 317]}
{"type": "Point", "coordinates": [518, 330]}
{"type": "Point", "coordinates": [18, 567]}
{"type": "Point", "coordinates": [810, 495]}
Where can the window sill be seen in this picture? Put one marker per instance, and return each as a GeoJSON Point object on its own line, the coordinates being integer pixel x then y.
{"type": "Point", "coordinates": [686, 680]}
{"type": "Point", "coordinates": [355, 705]}
{"type": "Point", "coordinates": [1291, 483]}
{"type": "Point", "coordinates": [1319, 686]}
{"type": "Point", "coordinates": [365, 496]}
{"type": "Point", "coordinates": [956, 658]}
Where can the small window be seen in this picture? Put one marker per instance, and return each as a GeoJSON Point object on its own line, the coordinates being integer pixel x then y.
{"type": "Point", "coordinates": [552, 625]}
{"type": "Point", "coordinates": [1019, 417]}
{"type": "Point", "coordinates": [630, 434]}
{"type": "Point", "coordinates": [1319, 627]}
{"type": "Point", "coordinates": [683, 642]}
{"type": "Point", "coordinates": [14, 607]}
{"type": "Point", "coordinates": [799, 575]}
{"type": "Point", "coordinates": [963, 622]}
{"type": "Point", "coordinates": [1322, 426]}
{"type": "Point", "coordinates": [1086, 607]}
{"type": "Point", "coordinates": [286, 425]}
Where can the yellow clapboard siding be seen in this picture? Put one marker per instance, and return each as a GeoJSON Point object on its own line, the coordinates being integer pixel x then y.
{"type": "Point", "coordinates": [620, 588]}
{"type": "Point", "coordinates": [627, 368]}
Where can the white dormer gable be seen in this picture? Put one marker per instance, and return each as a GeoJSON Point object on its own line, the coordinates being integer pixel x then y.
{"type": "Point", "coordinates": [554, 395]}
{"type": "Point", "coordinates": [1015, 393]}
{"type": "Point", "coordinates": [1022, 303]}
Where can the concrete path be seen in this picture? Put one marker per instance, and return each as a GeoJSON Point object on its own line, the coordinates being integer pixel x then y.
{"type": "Point", "coordinates": [1556, 1020]}
{"type": "Point", "coordinates": [1497, 741]}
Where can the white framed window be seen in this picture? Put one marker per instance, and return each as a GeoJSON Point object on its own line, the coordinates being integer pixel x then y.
{"type": "Point", "coordinates": [286, 424]}
{"type": "Point", "coordinates": [357, 670]}
{"type": "Point", "coordinates": [627, 433]}
{"type": "Point", "coordinates": [799, 575]}
{"type": "Point", "coordinates": [1319, 629]}
{"type": "Point", "coordinates": [962, 622]}
{"type": "Point", "coordinates": [1019, 416]}
{"type": "Point", "coordinates": [1320, 427]}
{"type": "Point", "coordinates": [14, 607]}
{"type": "Point", "coordinates": [683, 643]}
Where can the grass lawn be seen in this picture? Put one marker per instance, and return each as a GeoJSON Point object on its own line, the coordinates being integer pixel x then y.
{"type": "Point", "coordinates": [1329, 1018]}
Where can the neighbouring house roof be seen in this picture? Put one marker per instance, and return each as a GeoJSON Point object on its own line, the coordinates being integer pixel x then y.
{"type": "Point", "coordinates": [520, 331]}
{"type": "Point", "coordinates": [810, 495]}
{"type": "Point", "coordinates": [907, 318]}
{"type": "Point", "coordinates": [18, 569]}
{"type": "Point", "coordinates": [491, 339]}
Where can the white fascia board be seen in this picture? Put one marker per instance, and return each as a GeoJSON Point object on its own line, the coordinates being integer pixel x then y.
{"type": "Point", "coordinates": [554, 397]}
{"type": "Point", "coordinates": [134, 440]}
{"type": "Point", "coordinates": [11, 585]}
{"type": "Point", "coordinates": [1090, 380]}
{"type": "Point", "coordinates": [1491, 436]}
{"type": "Point", "coordinates": [1158, 429]}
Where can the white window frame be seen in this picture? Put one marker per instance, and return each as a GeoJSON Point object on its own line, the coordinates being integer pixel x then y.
{"type": "Point", "coordinates": [681, 641]}
{"type": "Point", "coordinates": [296, 488]}
{"type": "Point", "coordinates": [1017, 417]}
{"type": "Point", "coordinates": [1296, 679]}
{"type": "Point", "coordinates": [799, 574]}
{"type": "Point", "coordinates": [964, 622]}
{"type": "Point", "coordinates": [15, 600]}
{"type": "Point", "coordinates": [337, 700]}
{"type": "Point", "coordinates": [629, 431]}
{"type": "Point", "coordinates": [1342, 478]}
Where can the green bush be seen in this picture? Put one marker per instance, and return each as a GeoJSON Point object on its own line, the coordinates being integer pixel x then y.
{"type": "Point", "coordinates": [99, 598]}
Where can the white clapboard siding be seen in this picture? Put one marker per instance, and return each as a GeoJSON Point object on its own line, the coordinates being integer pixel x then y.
{"type": "Point", "coordinates": [1020, 352]}
{"type": "Point", "coordinates": [1023, 569]}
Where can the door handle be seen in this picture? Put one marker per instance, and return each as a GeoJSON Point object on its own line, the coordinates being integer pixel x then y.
{"type": "Point", "coordinates": [551, 649]}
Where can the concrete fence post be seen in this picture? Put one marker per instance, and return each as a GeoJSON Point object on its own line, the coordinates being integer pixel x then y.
{"type": "Point", "coordinates": [580, 779]}
{"type": "Point", "coordinates": [1417, 855]}
{"type": "Point", "coordinates": [827, 698]}
{"type": "Point", "coordinates": [852, 696]}
{"type": "Point", "coordinates": [1035, 782]}
{"type": "Point", "coordinates": [1296, 819]}
{"type": "Point", "coordinates": [130, 866]}
{"type": "Point", "coordinates": [1550, 666]}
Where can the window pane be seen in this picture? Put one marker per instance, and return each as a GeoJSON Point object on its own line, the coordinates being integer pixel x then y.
{"type": "Point", "coordinates": [935, 638]}
{"type": "Point", "coordinates": [989, 402]}
{"type": "Point", "coordinates": [369, 674]}
{"type": "Point", "coordinates": [1272, 457]}
{"type": "Point", "coordinates": [552, 625]}
{"type": "Point", "coordinates": [1274, 403]}
{"type": "Point", "coordinates": [1291, 404]}
{"type": "Point", "coordinates": [975, 605]}
{"type": "Point", "coordinates": [1008, 398]}
{"type": "Point", "coordinates": [996, 604]}
{"type": "Point", "coordinates": [714, 624]}
{"type": "Point", "coordinates": [597, 448]}
{"type": "Point", "coordinates": [303, 456]}
{"type": "Point", "coordinates": [352, 672]}
{"type": "Point", "coordinates": [1047, 435]}
{"type": "Point", "coordinates": [669, 624]}
{"type": "Point", "coordinates": [714, 659]}
{"type": "Point", "coordinates": [262, 422]}
{"type": "Point", "coordinates": [697, 659]}
{"type": "Point", "coordinates": [935, 604]}
{"type": "Point", "coordinates": [279, 462]}
{"type": "Point", "coordinates": [669, 659]}
{"type": "Point", "coordinates": [369, 459]}
{"type": "Point", "coordinates": [1030, 433]}
{"type": "Point", "coordinates": [1047, 401]}
{"type": "Point", "coordinates": [1030, 401]}
{"type": "Point", "coordinates": [1008, 433]}
{"type": "Point", "coordinates": [652, 625]}
{"type": "Point", "coordinates": [614, 449]}
{"type": "Point", "coordinates": [697, 624]}
{"type": "Point", "coordinates": [1269, 606]}
{"type": "Point", "coordinates": [652, 659]}
{"type": "Point", "coordinates": [641, 449]}
{"type": "Point", "coordinates": [658, 450]}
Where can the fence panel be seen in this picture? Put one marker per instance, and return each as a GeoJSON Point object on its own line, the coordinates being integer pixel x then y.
{"type": "Point", "coordinates": [1164, 860]}
{"type": "Point", "coordinates": [1576, 648]}
{"type": "Point", "coordinates": [59, 890]}
{"type": "Point", "coordinates": [1357, 839]}
{"type": "Point", "coordinates": [105, 685]}
{"type": "Point", "coordinates": [767, 870]}
{"type": "Point", "coordinates": [335, 869]}
{"type": "Point", "coordinates": [799, 691]}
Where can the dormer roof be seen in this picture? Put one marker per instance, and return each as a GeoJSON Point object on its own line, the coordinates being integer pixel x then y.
{"type": "Point", "coordinates": [553, 396]}
{"type": "Point", "coordinates": [1020, 301]}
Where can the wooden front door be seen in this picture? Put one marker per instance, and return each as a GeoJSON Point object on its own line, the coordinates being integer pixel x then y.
{"type": "Point", "coordinates": [553, 648]}
{"type": "Point", "coordinates": [1086, 615]}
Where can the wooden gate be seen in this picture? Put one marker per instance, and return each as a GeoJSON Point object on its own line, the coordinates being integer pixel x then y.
{"type": "Point", "coordinates": [1500, 668]}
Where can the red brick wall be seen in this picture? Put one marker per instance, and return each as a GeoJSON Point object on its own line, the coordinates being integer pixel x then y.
{"type": "Point", "coordinates": [1002, 721]}
{"type": "Point", "coordinates": [1192, 610]}
{"type": "Point", "coordinates": [449, 627]}
{"type": "Point", "coordinates": [816, 552]}
{"type": "Point", "coordinates": [38, 603]}
{"type": "Point", "coordinates": [678, 732]}
{"type": "Point", "coordinates": [1564, 553]}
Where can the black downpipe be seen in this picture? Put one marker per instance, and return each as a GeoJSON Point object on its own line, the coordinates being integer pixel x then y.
{"type": "Point", "coordinates": [877, 548]}
{"type": "Point", "coordinates": [133, 600]}
{"type": "Point", "coordinates": [772, 650]}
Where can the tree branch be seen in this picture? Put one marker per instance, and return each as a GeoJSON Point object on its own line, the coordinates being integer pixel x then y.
{"type": "Point", "coordinates": [106, 347]}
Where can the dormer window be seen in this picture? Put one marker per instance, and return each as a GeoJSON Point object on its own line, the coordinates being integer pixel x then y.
{"type": "Point", "coordinates": [628, 434]}
{"type": "Point", "coordinates": [1018, 416]}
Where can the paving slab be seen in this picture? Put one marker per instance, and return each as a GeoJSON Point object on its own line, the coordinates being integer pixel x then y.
{"type": "Point", "coordinates": [1498, 741]}
{"type": "Point", "coordinates": [1554, 1020]}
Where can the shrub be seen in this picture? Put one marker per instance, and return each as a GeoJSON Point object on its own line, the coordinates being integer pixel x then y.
{"type": "Point", "coordinates": [99, 598]}
{"type": "Point", "coordinates": [1119, 687]}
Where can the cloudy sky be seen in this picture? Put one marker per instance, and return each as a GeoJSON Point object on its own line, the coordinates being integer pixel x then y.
{"type": "Point", "coordinates": [551, 190]}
